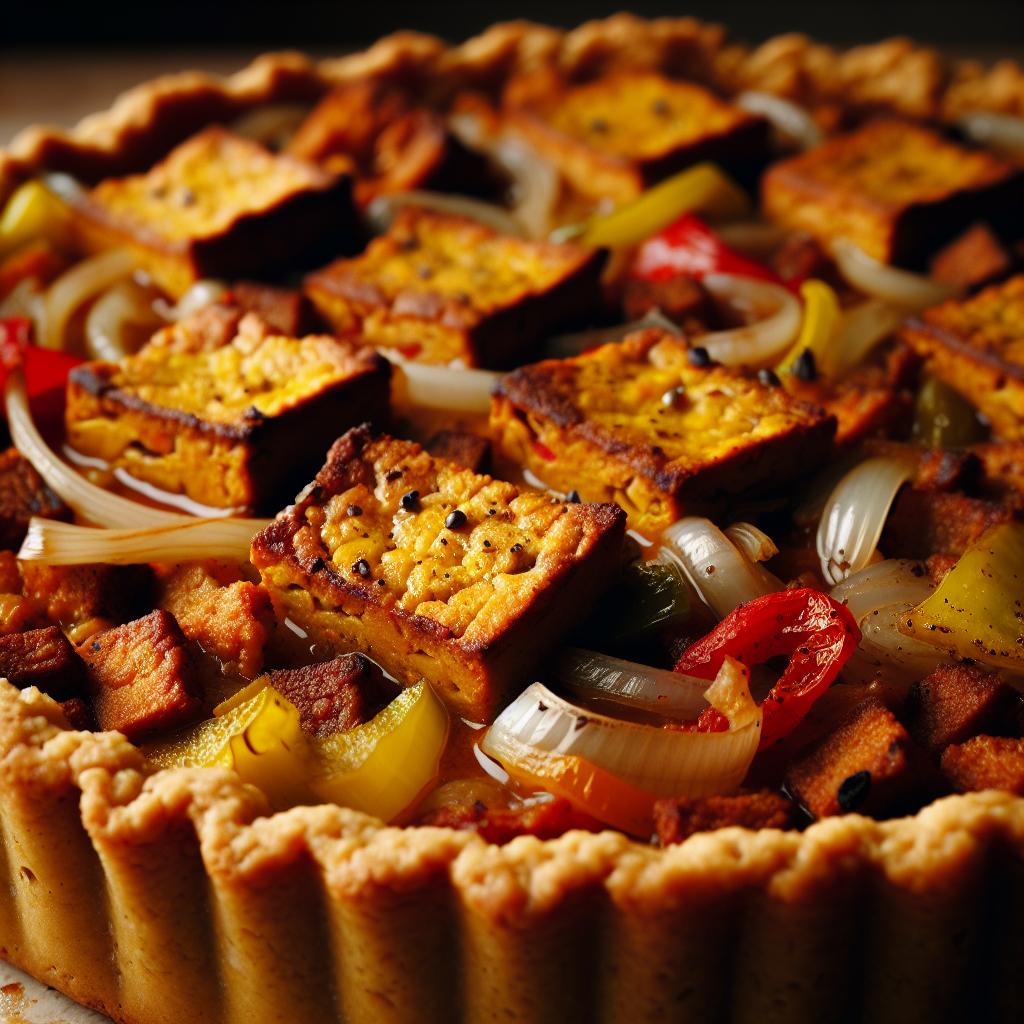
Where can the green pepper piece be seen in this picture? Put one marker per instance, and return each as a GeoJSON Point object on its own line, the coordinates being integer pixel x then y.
{"type": "Point", "coordinates": [650, 596]}
{"type": "Point", "coordinates": [943, 418]}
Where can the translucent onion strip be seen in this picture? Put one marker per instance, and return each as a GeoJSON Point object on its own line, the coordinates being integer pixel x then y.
{"type": "Point", "coordinates": [199, 296]}
{"type": "Point", "coordinates": [92, 503]}
{"type": "Point", "coordinates": [382, 210]}
{"type": "Point", "coordinates": [787, 117]}
{"type": "Point", "coordinates": [721, 572]}
{"type": "Point", "coordinates": [271, 125]}
{"type": "Point", "coordinates": [445, 387]}
{"type": "Point", "coordinates": [657, 761]}
{"type": "Point", "coordinates": [877, 596]}
{"type": "Point", "coordinates": [564, 345]}
{"type": "Point", "coordinates": [855, 512]}
{"type": "Point", "coordinates": [859, 330]}
{"type": "Point", "coordinates": [53, 543]}
{"type": "Point", "coordinates": [1002, 132]}
{"type": "Point", "coordinates": [116, 319]}
{"type": "Point", "coordinates": [881, 281]}
{"type": "Point", "coordinates": [766, 339]}
{"type": "Point", "coordinates": [752, 541]}
{"type": "Point", "coordinates": [77, 286]}
{"type": "Point", "coordinates": [596, 675]}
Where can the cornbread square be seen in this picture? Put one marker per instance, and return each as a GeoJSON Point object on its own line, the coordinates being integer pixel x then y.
{"type": "Point", "coordinates": [236, 419]}
{"type": "Point", "coordinates": [218, 206]}
{"type": "Point", "coordinates": [897, 190]}
{"type": "Point", "coordinates": [619, 134]}
{"type": "Point", "coordinates": [638, 424]}
{"type": "Point", "coordinates": [434, 571]}
{"type": "Point", "coordinates": [976, 346]}
{"type": "Point", "coordinates": [442, 288]}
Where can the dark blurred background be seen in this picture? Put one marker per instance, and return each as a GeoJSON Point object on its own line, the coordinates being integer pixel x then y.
{"type": "Point", "coordinates": [325, 24]}
{"type": "Point", "coordinates": [60, 60]}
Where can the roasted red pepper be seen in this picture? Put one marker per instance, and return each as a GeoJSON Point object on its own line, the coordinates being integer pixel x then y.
{"type": "Point", "coordinates": [817, 633]}
{"type": "Point", "coordinates": [46, 370]}
{"type": "Point", "coordinates": [690, 248]}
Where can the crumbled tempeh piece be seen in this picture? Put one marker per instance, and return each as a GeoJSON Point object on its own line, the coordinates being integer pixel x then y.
{"type": "Point", "coordinates": [682, 299]}
{"type": "Point", "coordinates": [434, 571]}
{"type": "Point", "coordinates": [78, 713]}
{"type": "Point", "coordinates": [956, 702]}
{"type": "Point", "coordinates": [23, 494]}
{"type": "Point", "coordinates": [335, 696]}
{"type": "Point", "coordinates": [868, 765]}
{"type": "Point", "coordinates": [73, 594]}
{"type": "Point", "coordinates": [470, 451]}
{"type": "Point", "coordinates": [42, 658]}
{"type": "Point", "coordinates": [639, 423]}
{"type": "Point", "coordinates": [140, 676]}
{"type": "Point", "coordinates": [548, 819]}
{"type": "Point", "coordinates": [896, 189]}
{"type": "Point", "coordinates": [975, 258]}
{"type": "Point", "coordinates": [285, 310]}
{"type": "Point", "coordinates": [679, 818]}
{"type": "Point", "coordinates": [229, 617]}
{"type": "Point", "coordinates": [438, 287]}
{"type": "Point", "coordinates": [926, 522]}
{"type": "Point", "coordinates": [985, 762]}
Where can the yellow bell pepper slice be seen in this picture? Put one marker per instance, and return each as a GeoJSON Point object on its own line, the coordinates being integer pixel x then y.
{"type": "Point", "coordinates": [260, 738]}
{"type": "Point", "coordinates": [977, 611]}
{"type": "Point", "coordinates": [382, 767]}
{"type": "Point", "coordinates": [821, 315]}
{"type": "Point", "coordinates": [33, 212]}
{"type": "Point", "coordinates": [703, 188]}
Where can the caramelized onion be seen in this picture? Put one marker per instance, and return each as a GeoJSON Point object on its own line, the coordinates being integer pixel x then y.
{"type": "Point", "coordinates": [77, 286]}
{"type": "Point", "coordinates": [881, 281]}
{"type": "Point", "coordinates": [383, 210]}
{"type": "Point", "coordinates": [787, 118]}
{"type": "Point", "coordinates": [199, 296]}
{"type": "Point", "coordinates": [1002, 132]}
{"type": "Point", "coordinates": [766, 339]}
{"type": "Point", "coordinates": [859, 330]}
{"type": "Point", "coordinates": [444, 387]}
{"type": "Point", "coordinates": [117, 320]}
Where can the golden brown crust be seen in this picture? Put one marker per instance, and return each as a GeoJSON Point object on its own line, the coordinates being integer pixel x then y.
{"type": "Point", "coordinates": [184, 865]}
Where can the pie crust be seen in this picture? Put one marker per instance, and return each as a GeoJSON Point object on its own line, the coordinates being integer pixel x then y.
{"type": "Point", "coordinates": [165, 896]}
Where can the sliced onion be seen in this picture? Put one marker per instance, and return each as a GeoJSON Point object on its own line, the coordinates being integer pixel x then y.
{"type": "Point", "coordinates": [881, 281]}
{"type": "Point", "coordinates": [721, 573]}
{"type": "Point", "coordinates": [200, 295]}
{"type": "Point", "coordinates": [117, 319]}
{"type": "Point", "coordinates": [383, 210]}
{"type": "Point", "coordinates": [877, 596]}
{"type": "Point", "coordinates": [1002, 132]}
{"type": "Point", "coordinates": [753, 542]}
{"type": "Point", "coordinates": [64, 186]}
{"type": "Point", "coordinates": [759, 343]}
{"type": "Point", "coordinates": [52, 543]}
{"type": "Point", "coordinates": [855, 513]}
{"type": "Point", "coordinates": [26, 300]}
{"type": "Point", "coordinates": [564, 345]}
{"type": "Point", "coordinates": [539, 731]}
{"type": "Point", "coordinates": [787, 117]}
{"type": "Point", "coordinates": [599, 676]}
{"type": "Point", "coordinates": [271, 125]}
{"type": "Point", "coordinates": [859, 330]}
{"type": "Point", "coordinates": [90, 502]}
{"type": "Point", "coordinates": [77, 286]}
{"type": "Point", "coordinates": [445, 387]}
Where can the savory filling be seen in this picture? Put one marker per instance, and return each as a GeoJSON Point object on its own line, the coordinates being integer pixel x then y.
{"type": "Point", "coordinates": [742, 548]}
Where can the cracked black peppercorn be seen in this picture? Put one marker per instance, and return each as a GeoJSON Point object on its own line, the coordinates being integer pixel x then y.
{"type": "Point", "coordinates": [410, 500]}
{"type": "Point", "coordinates": [353, 511]}
{"type": "Point", "coordinates": [361, 567]}
{"type": "Point", "coordinates": [805, 367]}
{"type": "Point", "coordinates": [573, 497]}
{"type": "Point", "coordinates": [698, 356]}
{"type": "Point", "coordinates": [853, 791]}
{"type": "Point", "coordinates": [769, 378]}
{"type": "Point", "coordinates": [455, 519]}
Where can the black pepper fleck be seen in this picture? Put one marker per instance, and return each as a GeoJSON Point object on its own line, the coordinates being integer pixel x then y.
{"type": "Point", "coordinates": [573, 497]}
{"type": "Point", "coordinates": [353, 510]}
{"type": "Point", "coordinates": [410, 500]}
{"type": "Point", "coordinates": [362, 568]}
{"type": "Point", "coordinates": [393, 474]}
{"type": "Point", "coordinates": [455, 519]}
{"type": "Point", "coordinates": [853, 791]}
{"type": "Point", "coordinates": [769, 378]}
{"type": "Point", "coordinates": [516, 548]}
{"type": "Point", "coordinates": [805, 367]}
{"type": "Point", "coordinates": [698, 356]}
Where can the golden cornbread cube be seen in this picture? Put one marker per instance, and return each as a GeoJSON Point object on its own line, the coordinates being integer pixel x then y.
{"type": "Point", "coordinates": [441, 288]}
{"type": "Point", "coordinates": [976, 346]}
{"type": "Point", "coordinates": [617, 135]}
{"type": "Point", "coordinates": [434, 571]}
{"type": "Point", "coordinates": [638, 424]}
{"type": "Point", "coordinates": [236, 419]}
{"type": "Point", "coordinates": [897, 190]}
{"type": "Point", "coordinates": [218, 206]}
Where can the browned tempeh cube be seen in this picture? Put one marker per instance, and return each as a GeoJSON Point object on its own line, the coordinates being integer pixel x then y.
{"type": "Point", "coordinates": [285, 310]}
{"type": "Point", "coordinates": [868, 765]}
{"type": "Point", "coordinates": [974, 258]}
{"type": "Point", "coordinates": [75, 594]}
{"type": "Point", "coordinates": [23, 494]}
{"type": "Point", "coordinates": [896, 189]}
{"type": "Point", "coordinates": [42, 658]}
{"type": "Point", "coordinates": [956, 702]}
{"type": "Point", "coordinates": [335, 696]}
{"type": "Point", "coordinates": [140, 676]}
{"type": "Point", "coordinates": [434, 571]}
{"type": "Point", "coordinates": [985, 762]}
{"type": "Point", "coordinates": [679, 818]}
{"type": "Point", "coordinates": [218, 206]}
{"type": "Point", "coordinates": [925, 522]}
{"type": "Point", "coordinates": [464, 449]}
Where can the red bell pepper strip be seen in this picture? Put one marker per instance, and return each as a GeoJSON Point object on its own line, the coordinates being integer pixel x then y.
{"type": "Point", "coordinates": [45, 369]}
{"type": "Point", "coordinates": [817, 633]}
{"type": "Point", "coordinates": [688, 247]}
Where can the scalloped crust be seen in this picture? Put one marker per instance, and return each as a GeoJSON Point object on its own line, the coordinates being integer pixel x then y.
{"type": "Point", "coordinates": [172, 896]}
